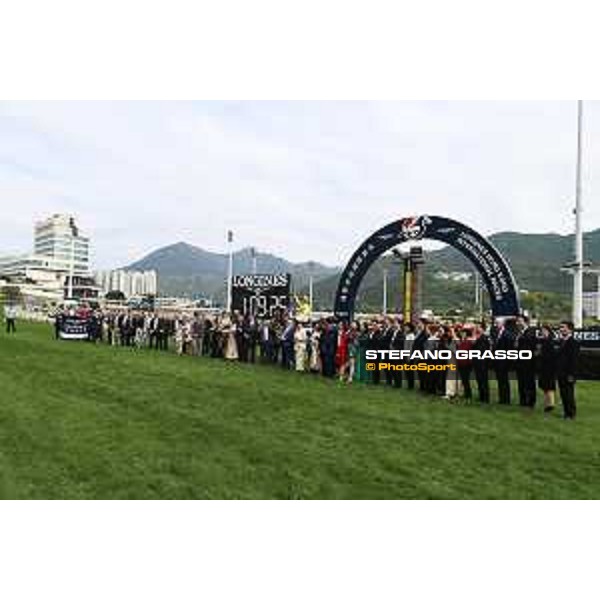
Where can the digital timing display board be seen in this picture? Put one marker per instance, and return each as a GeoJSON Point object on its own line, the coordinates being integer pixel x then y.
{"type": "Point", "coordinates": [261, 295]}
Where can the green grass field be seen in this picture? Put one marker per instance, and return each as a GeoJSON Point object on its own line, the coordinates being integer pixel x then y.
{"type": "Point", "coordinates": [83, 421]}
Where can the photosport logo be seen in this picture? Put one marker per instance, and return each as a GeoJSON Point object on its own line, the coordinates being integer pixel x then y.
{"type": "Point", "coordinates": [422, 366]}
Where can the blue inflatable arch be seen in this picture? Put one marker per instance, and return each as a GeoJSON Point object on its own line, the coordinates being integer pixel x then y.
{"type": "Point", "coordinates": [493, 268]}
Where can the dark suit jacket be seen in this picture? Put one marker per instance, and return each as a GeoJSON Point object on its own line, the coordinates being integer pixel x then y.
{"type": "Point", "coordinates": [397, 340]}
{"type": "Point", "coordinates": [482, 343]}
{"type": "Point", "coordinates": [386, 338]}
{"type": "Point", "coordinates": [420, 341]}
{"type": "Point", "coordinates": [505, 341]}
{"type": "Point", "coordinates": [376, 341]}
{"type": "Point", "coordinates": [566, 358]}
{"type": "Point", "coordinates": [527, 340]}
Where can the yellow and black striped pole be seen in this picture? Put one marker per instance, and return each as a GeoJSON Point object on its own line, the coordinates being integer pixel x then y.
{"type": "Point", "coordinates": [407, 295]}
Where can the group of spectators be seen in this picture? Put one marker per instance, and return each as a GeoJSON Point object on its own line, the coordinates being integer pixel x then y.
{"type": "Point", "coordinates": [278, 340]}
{"type": "Point", "coordinates": [553, 365]}
{"type": "Point", "coordinates": [337, 349]}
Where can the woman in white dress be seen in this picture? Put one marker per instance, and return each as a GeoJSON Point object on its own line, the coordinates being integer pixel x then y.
{"type": "Point", "coordinates": [229, 331]}
{"type": "Point", "coordinates": [315, 350]}
{"type": "Point", "coordinates": [451, 375]}
{"type": "Point", "coordinates": [179, 335]}
{"type": "Point", "coordinates": [139, 335]}
{"type": "Point", "coordinates": [300, 346]}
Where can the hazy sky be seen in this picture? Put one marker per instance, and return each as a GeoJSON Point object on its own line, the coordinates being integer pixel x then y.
{"type": "Point", "coordinates": [301, 180]}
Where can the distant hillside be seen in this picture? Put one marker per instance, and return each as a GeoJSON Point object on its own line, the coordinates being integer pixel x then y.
{"type": "Point", "coordinates": [536, 260]}
{"type": "Point", "coordinates": [190, 271]}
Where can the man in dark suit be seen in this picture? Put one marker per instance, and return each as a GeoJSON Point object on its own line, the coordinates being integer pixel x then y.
{"type": "Point", "coordinates": [387, 332]}
{"type": "Point", "coordinates": [480, 365]}
{"type": "Point", "coordinates": [526, 340]}
{"type": "Point", "coordinates": [153, 329]}
{"type": "Point", "coordinates": [207, 337]}
{"type": "Point", "coordinates": [250, 332]}
{"type": "Point", "coordinates": [162, 335]}
{"type": "Point", "coordinates": [375, 342]}
{"type": "Point", "coordinates": [328, 346]}
{"type": "Point", "coordinates": [409, 340]}
{"type": "Point", "coordinates": [566, 368]}
{"type": "Point", "coordinates": [397, 343]}
{"type": "Point", "coordinates": [58, 320]}
{"type": "Point", "coordinates": [94, 328]}
{"type": "Point", "coordinates": [287, 348]}
{"type": "Point", "coordinates": [419, 346]}
{"type": "Point", "coordinates": [125, 329]}
{"type": "Point", "coordinates": [504, 341]}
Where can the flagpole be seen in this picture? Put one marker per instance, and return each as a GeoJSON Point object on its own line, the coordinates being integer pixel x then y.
{"type": "Point", "coordinates": [254, 261]}
{"type": "Point", "coordinates": [578, 267]}
{"type": "Point", "coordinates": [229, 270]}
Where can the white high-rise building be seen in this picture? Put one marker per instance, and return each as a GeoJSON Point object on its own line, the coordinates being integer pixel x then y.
{"type": "Point", "coordinates": [44, 274]}
{"type": "Point", "coordinates": [131, 283]}
{"type": "Point", "coordinates": [59, 237]}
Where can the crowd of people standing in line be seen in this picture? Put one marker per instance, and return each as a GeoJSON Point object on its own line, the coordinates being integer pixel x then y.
{"type": "Point", "coordinates": [279, 340]}
{"type": "Point", "coordinates": [554, 362]}
{"type": "Point", "coordinates": [336, 349]}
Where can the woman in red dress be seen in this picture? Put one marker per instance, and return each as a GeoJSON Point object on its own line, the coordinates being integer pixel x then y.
{"type": "Point", "coordinates": [341, 356]}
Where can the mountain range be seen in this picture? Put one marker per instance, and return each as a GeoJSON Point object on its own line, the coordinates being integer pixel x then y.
{"type": "Point", "coordinates": [536, 260]}
{"type": "Point", "coordinates": [186, 270]}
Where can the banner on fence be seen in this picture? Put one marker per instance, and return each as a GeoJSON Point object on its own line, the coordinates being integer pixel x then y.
{"type": "Point", "coordinates": [73, 328]}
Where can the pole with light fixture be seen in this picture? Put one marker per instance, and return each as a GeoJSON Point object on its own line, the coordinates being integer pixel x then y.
{"type": "Point", "coordinates": [578, 264]}
{"type": "Point", "coordinates": [230, 269]}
